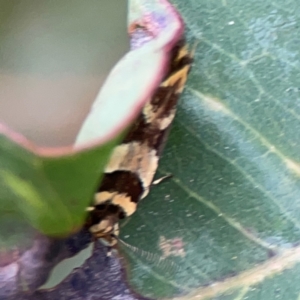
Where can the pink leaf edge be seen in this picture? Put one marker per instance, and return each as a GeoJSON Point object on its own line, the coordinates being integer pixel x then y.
{"type": "Point", "coordinates": [146, 63]}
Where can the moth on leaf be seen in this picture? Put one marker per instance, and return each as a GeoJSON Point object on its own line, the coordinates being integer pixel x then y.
{"type": "Point", "coordinates": [130, 171]}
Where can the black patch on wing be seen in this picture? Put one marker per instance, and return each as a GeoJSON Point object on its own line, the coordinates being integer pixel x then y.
{"type": "Point", "coordinates": [176, 65]}
{"type": "Point", "coordinates": [103, 210]}
{"type": "Point", "coordinates": [122, 182]}
{"type": "Point", "coordinates": [143, 133]}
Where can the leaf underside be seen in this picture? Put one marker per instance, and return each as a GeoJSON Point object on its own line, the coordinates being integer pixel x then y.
{"type": "Point", "coordinates": [228, 219]}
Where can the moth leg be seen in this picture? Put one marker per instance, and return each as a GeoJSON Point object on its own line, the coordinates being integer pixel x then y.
{"type": "Point", "coordinates": [109, 251]}
{"type": "Point", "coordinates": [159, 180]}
{"type": "Point", "coordinates": [113, 240]}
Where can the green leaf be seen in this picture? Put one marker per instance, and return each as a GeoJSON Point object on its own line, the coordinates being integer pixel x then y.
{"type": "Point", "coordinates": [229, 219]}
{"type": "Point", "coordinates": [49, 192]}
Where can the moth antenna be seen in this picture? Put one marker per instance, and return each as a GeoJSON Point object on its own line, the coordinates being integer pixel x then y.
{"type": "Point", "coordinates": [165, 263]}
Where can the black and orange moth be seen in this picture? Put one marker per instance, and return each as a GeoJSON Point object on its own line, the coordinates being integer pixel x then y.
{"type": "Point", "coordinates": [130, 171]}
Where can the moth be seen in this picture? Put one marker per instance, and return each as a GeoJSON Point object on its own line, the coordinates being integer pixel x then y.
{"type": "Point", "coordinates": [130, 171]}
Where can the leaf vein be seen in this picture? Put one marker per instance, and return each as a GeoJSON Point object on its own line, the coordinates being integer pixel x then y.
{"type": "Point", "coordinates": [243, 292]}
{"type": "Point", "coordinates": [255, 184]}
{"type": "Point", "coordinates": [276, 265]}
{"type": "Point", "coordinates": [219, 213]}
{"type": "Point", "coordinates": [252, 77]}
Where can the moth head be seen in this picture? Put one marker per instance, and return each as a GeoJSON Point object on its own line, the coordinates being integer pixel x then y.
{"type": "Point", "coordinates": [105, 215]}
{"type": "Point", "coordinates": [107, 229]}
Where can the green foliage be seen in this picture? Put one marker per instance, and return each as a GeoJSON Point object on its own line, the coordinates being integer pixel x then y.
{"type": "Point", "coordinates": [232, 207]}
{"type": "Point", "coordinates": [50, 193]}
